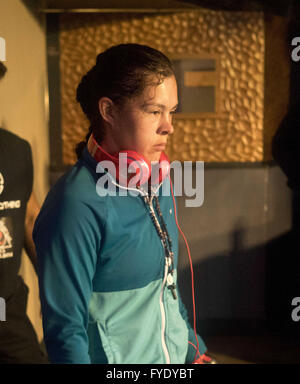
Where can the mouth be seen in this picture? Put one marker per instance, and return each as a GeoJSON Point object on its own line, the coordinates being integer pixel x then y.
{"type": "Point", "coordinates": [160, 147]}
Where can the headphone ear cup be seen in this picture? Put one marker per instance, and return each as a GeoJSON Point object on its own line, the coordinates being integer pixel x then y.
{"type": "Point", "coordinates": [134, 164]}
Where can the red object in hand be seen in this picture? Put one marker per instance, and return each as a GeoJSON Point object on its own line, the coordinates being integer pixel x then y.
{"type": "Point", "coordinates": [205, 359]}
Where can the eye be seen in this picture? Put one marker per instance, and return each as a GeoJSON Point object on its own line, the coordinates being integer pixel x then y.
{"type": "Point", "coordinates": [155, 113]}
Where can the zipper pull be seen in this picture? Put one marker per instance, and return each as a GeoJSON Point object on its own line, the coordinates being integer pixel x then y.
{"type": "Point", "coordinates": [171, 285]}
{"type": "Point", "coordinates": [173, 290]}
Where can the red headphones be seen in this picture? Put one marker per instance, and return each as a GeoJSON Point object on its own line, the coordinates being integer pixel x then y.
{"type": "Point", "coordinates": [138, 165]}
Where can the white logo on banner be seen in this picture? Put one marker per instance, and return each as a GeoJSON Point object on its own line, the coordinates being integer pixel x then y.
{"type": "Point", "coordinates": [5, 241]}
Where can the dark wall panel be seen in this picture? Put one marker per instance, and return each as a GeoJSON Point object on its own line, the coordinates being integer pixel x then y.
{"type": "Point", "coordinates": [243, 209]}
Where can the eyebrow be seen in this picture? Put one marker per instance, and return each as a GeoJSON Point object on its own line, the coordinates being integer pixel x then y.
{"type": "Point", "coordinates": [162, 106]}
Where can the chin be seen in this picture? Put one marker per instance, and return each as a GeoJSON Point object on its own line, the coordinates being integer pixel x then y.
{"type": "Point", "coordinates": [154, 158]}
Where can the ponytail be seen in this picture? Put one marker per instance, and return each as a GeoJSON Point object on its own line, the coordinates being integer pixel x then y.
{"type": "Point", "coordinates": [80, 146]}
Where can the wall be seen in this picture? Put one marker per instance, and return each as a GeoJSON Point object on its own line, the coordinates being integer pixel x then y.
{"type": "Point", "coordinates": [234, 40]}
{"type": "Point", "coordinates": [23, 109]}
{"type": "Point", "coordinates": [245, 209]}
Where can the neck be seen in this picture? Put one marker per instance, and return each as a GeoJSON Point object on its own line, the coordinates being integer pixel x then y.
{"type": "Point", "coordinates": [108, 145]}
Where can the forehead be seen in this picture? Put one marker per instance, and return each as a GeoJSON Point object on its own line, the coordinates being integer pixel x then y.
{"type": "Point", "coordinates": [164, 93]}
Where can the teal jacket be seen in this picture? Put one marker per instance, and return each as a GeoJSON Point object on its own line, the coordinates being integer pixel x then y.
{"type": "Point", "coordinates": [101, 269]}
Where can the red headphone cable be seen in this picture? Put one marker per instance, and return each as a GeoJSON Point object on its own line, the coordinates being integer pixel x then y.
{"type": "Point", "coordinates": [192, 275]}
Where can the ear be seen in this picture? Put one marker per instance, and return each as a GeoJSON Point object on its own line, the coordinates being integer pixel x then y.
{"type": "Point", "coordinates": [106, 109]}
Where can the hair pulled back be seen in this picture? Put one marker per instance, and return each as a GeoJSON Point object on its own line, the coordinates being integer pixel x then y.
{"type": "Point", "coordinates": [121, 72]}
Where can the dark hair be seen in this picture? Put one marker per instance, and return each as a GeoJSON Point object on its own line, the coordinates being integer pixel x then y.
{"type": "Point", "coordinates": [121, 72]}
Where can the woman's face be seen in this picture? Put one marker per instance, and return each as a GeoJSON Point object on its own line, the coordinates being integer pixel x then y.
{"type": "Point", "coordinates": [143, 124]}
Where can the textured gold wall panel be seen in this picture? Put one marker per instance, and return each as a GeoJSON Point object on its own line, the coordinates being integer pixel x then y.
{"type": "Point", "coordinates": [236, 39]}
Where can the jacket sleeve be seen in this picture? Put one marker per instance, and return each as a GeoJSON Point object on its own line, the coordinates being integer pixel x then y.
{"type": "Point", "coordinates": [191, 349]}
{"type": "Point", "coordinates": [66, 240]}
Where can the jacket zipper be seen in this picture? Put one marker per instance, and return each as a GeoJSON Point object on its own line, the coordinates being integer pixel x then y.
{"type": "Point", "coordinates": [161, 304]}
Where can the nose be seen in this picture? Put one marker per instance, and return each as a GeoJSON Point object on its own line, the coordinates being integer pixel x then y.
{"type": "Point", "coordinates": [166, 126]}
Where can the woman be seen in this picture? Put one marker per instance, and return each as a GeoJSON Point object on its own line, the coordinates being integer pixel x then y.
{"type": "Point", "coordinates": [104, 258]}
